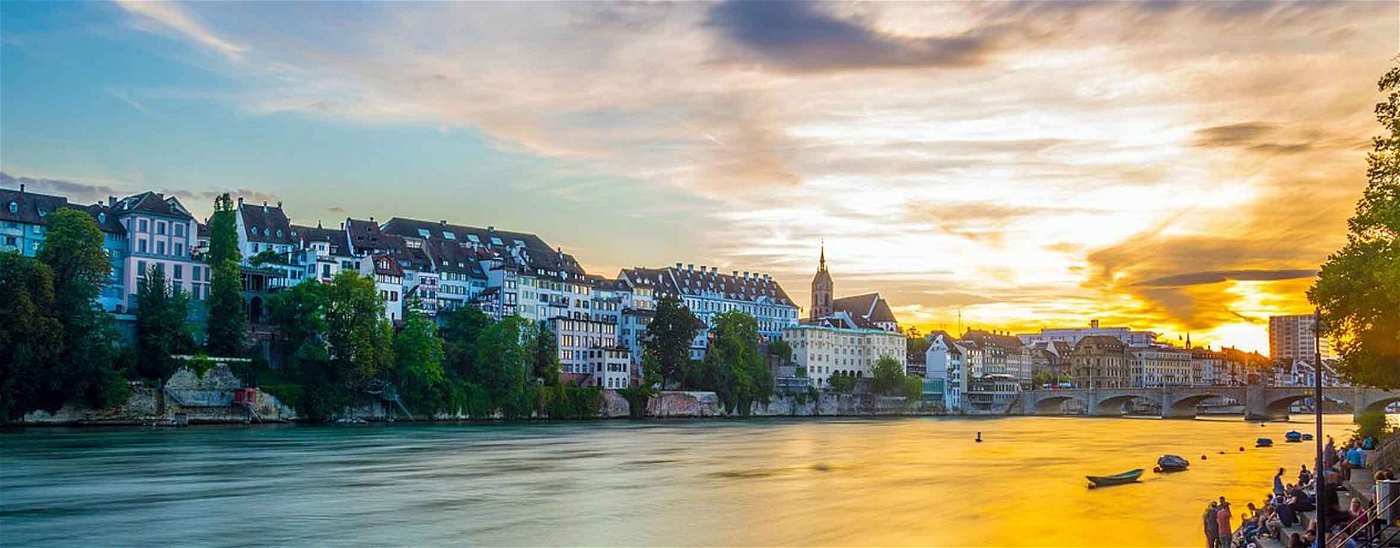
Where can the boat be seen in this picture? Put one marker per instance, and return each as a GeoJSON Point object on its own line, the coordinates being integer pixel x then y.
{"type": "Point", "coordinates": [1130, 476]}
{"type": "Point", "coordinates": [1171, 463]}
{"type": "Point", "coordinates": [1293, 437]}
{"type": "Point", "coordinates": [1307, 436]}
{"type": "Point", "coordinates": [1263, 442]}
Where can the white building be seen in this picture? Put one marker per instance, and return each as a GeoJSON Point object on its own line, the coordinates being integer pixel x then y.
{"type": "Point", "coordinates": [825, 351]}
{"type": "Point", "coordinates": [706, 293]}
{"type": "Point", "coordinates": [1072, 336]}
{"type": "Point", "coordinates": [590, 354]}
{"type": "Point", "coordinates": [1158, 366]}
{"type": "Point", "coordinates": [945, 356]}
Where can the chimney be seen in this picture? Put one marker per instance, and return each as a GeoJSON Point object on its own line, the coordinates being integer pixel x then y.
{"type": "Point", "coordinates": [442, 222]}
{"type": "Point", "coordinates": [240, 201]}
{"type": "Point", "coordinates": [734, 273]}
{"type": "Point", "coordinates": [279, 204]}
{"type": "Point", "coordinates": [1093, 324]}
{"type": "Point", "coordinates": [490, 228]}
{"type": "Point", "coordinates": [678, 266]}
{"type": "Point", "coordinates": [111, 201]}
{"type": "Point", "coordinates": [21, 188]}
{"type": "Point", "coordinates": [690, 267]}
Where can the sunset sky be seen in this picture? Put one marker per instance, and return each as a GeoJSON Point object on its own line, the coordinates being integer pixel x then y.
{"type": "Point", "coordinates": [1182, 167]}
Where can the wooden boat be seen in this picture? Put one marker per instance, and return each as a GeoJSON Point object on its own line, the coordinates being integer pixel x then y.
{"type": "Point", "coordinates": [1116, 479]}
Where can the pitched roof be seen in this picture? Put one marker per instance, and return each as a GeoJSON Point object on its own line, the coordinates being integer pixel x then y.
{"type": "Point", "coordinates": [365, 236]}
{"type": "Point", "coordinates": [867, 309]}
{"type": "Point", "coordinates": [339, 244]}
{"type": "Point", "coordinates": [106, 220]}
{"type": "Point", "coordinates": [152, 203]}
{"type": "Point", "coordinates": [28, 207]}
{"type": "Point", "coordinates": [267, 224]}
{"type": "Point", "coordinates": [987, 338]}
{"type": "Point", "coordinates": [520, 249]}
{"type": "Point", "coordinates": [1102, 342]}
{"type": "Point", "coordinates": [709, 282]}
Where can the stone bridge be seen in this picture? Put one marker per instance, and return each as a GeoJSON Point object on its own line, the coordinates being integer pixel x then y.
{"type": "Point", "coordinates": [1260, 402]}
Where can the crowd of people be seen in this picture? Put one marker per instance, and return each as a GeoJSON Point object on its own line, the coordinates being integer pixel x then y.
{"type": "Point", "coordinates": [1284, 506]}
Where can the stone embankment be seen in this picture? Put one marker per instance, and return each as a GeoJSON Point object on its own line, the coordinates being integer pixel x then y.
{"type": "Point", "coordinates": [210, 398]}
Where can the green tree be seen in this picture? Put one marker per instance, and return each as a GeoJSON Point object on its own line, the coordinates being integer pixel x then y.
{"type": "Point", "coordinates": [360, 338]}
{"type": "Point", "coordinates": [841, 383]}
{"type": "Point", "coordinates": [161, 331]}
{"type": "Point", "coordinates": [887, 377]}
{"type": "Point", "coordinates": [31, 338]}
{"type": "Point", "coordinates": [733, 366]}
{"type": "Point", "coordinates": [228, 315]}
{"type": "Point", "coordinates": [781, 350]}
{"type": "Point", "coordinates": [312, 384]}
{"type": "Point", "coordinates": [544, 354]}
{"type": "Point", "coordinates": [419, 354]}
{"type": "Point", "coordinates": [460, 330]}
{"type": "Point", "coordinates": [668, 339]}
{"type": "Point", "coordinates": [501, 366]}
{"type": "Point", "coordinates": [913, 387]}
{"type": "Point", "coordinates": [73, 251]}
{"type": "Point", "coordinates": [1357, 291]}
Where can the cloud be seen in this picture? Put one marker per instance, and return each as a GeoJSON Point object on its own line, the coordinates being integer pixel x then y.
{"type": "Point", "coordinates": [1057, 160]}
{"type": "Point", "coordinates": [172, 16]}
{"type": "Point", "coordinates": [77, 192]}
{"type": "Point", "coordinates": [802, 36]}
{"type": "Point", "coordinates": [1197, 278]}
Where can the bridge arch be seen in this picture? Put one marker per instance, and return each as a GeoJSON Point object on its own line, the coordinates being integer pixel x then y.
{"type": "Point", "coordinates": [1185, 407]}
{"type": "Point", "coordinates": [1054, 405]}
{"type": "Point", "coordinates": [1379, 405]}
{"type": "Point", "coordinates": [1278, 406]}
{"type": "Point", "coordinates": [1114, 405]}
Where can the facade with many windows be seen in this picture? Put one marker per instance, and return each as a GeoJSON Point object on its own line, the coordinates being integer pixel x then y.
{"type": "Point", "coordinates": [826, 351]}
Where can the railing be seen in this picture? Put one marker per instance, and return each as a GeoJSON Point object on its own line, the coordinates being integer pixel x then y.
{"type": "Point", "coordinates": [1373, 514]}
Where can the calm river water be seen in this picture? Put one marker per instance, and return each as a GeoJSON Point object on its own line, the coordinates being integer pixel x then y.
{"type": "Point", "coordinates": [914, 481]}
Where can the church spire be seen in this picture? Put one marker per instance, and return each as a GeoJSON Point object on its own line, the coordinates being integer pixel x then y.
{"type": "Point", "coordinates": [822, 264]}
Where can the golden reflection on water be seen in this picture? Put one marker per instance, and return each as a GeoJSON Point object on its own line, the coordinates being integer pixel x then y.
{"type": "Point", "coordinates": [925, 482]}
{"type": "Point", "coordinates": [800, 482]}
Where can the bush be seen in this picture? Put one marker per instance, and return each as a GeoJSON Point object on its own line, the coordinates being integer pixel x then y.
{"type": "Point", "coordinates": [1372, 424]}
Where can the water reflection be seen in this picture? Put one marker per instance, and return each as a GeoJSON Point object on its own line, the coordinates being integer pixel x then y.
{"type": "Point", "coordinates": [773, 482]}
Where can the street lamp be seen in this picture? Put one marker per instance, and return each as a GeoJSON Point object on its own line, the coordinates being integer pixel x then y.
{"type": "Point", "coordinates": [1317, 414]}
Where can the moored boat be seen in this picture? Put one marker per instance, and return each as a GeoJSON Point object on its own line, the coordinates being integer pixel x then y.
{"type": "Point", "coordinates": [1293, 437]}
{"type": "Point", "coordinates": [1116, 479]}
{"type": "Point", "coordinates": [1263, 442]}
{"type": "Point", "coordinates": [1171, 463]}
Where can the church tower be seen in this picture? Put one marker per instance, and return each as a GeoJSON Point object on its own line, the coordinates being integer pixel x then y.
{"type": "Point", "coordinates": [821, 290]}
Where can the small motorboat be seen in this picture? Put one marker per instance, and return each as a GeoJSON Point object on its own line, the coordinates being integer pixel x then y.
{"type": "Point", "coordinates": [1263, 442]}
{"type": "Point", "coordinates": [1293, 437]}
{"type": "Point", "coordinates": [1171, 463]}
{"type": "Point", "coordinates": [1130, 476]}
{"type": "Point", "coordinates": [1307, 437]}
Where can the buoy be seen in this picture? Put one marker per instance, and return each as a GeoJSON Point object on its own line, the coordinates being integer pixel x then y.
{"type": "Point", "coordinates": [1222, 452]}
{"type": "Point", "coordinates": [1157, 469]}
{"type": "Point", "coordinates": [979, 437]}
{"type": "Point", "coordinates": [1241, 449]}
{"type": "Point", "coordinates": [1203, 457]}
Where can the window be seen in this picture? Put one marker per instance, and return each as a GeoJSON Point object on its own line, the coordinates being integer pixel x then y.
{"type": "Point", "coordinates": [179, 272]}
{"type": "Point", "coordinates": [448, 235]}
{"type": "Point", "coordinates": [144, 227]}
{"type": "Point", "coordinates": [179, 229]}
{"type": "Point", "coordinates": [160, 247]}
{"type": "Point", "coordinates": [140, 269]}
{"type": "Point", "coordinates": [180, 249]}
{"type": "Point", "coordinates": [194, 272]}
{"type": "Point", "coordinates": [14, 207]}
{"type": "Point", "coordinates": [141, 246]}
{"type": "Point", "coordinates": [160, 228]}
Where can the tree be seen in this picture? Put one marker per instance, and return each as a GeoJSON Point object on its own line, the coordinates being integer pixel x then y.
{"type": "Point", "coordinates": [733, 367]}
{"type": "Point", "coordinates": [161, 309]}
{"type": "Point", "coordinates": [1357, 291]}
{"type": "Point", "coordinates": [419, 354]}
{"type": "Point", "coordinates": [544, 355]}
{"type": "Point", "coordinates": [360, 338]}
{"type": "Point", "coordinates": [916, 343]}
{"type": "Point", "coordinates": [73, 251]}
{"type": "Point", "coordinates": [781, 350]}
{"type": "Point", "coordinates": [887, 377]}
{"type": "Point", "coordinates": [841, 383]}
{"type": "Point", "coordinates": [668, 339]}
{"type": "Point", "coordinates": [500, 367]}
{"type": "Point", "coordinates": [31, 338]}
{"type": "Point", "coordinates": [228, 315]}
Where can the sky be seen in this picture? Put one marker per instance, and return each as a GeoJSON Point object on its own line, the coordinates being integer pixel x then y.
{"type": "Point", "coordinates": [1175, 166]}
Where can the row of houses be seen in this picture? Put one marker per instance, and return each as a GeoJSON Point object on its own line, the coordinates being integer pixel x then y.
{"type": "Point", "coordinates": [982, 371]}
{"type": "Point", "coordinates": [433, 266]}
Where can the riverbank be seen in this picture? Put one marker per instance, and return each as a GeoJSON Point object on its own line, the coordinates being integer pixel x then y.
{"type": "Point", "coordinates": [217, 396]}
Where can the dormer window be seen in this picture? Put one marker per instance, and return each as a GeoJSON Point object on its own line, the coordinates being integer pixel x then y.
{"type": "Point", "coordinates": [43, 212]}
{"type": "Point", "coordinates": [14, 207]}
{"type": "Point", "coordinates": [101, 218]}
{"type": "Point", "coordinates": [279, 233]}
{"type": "Point", "coordinates": [266, 232]}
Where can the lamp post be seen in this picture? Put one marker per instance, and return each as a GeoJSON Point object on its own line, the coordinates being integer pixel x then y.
{"type": "Point", "coordinates": [1317, 414]}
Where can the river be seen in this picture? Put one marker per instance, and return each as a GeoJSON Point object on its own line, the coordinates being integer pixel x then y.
{"type": "Point", "coordinates": [906, 481]}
